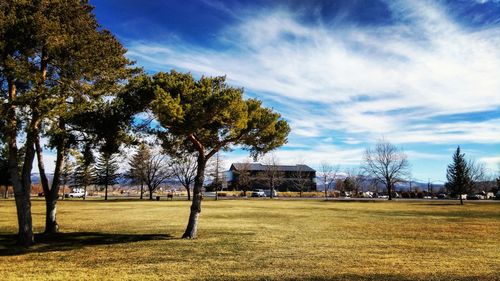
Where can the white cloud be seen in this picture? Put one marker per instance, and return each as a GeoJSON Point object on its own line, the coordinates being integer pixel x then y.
{"type": "Point", "coordinates": [369, 80]}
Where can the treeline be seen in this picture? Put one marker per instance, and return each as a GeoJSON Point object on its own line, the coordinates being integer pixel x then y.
{"type": "Point", "coordinates": [65, 79]}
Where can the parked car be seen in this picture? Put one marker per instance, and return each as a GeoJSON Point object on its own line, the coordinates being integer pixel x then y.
{"type": "Point", "coordinates": [475, 197]}
{"type": "Point", "coordinates": [258, 193]}
{"type": "Point", "coordinates": [442, 196]}
{"type": "Point", "coordinates": [76, 194]}
{"type": "Point", "coordinates": [267, 192]}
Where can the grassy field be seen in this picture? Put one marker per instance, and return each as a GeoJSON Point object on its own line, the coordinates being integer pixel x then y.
{"type": "Point", "coordinates": [258, 240]}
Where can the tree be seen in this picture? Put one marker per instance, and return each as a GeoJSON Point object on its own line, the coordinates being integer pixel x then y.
{"type": "Point", "coordinates": [4, 174]}
{"type": "Point", "coordinates": [84, 173]}
{"type": "Point", "coordinates": [243, 174]}
{"type": "Point", "coordinates": [206, 116]}
{"type": "Point", "coordinates": [214, 171]}
{"type": "Point", "coordinates": [156, 172]}
{"type": "Point", "coordinates": [353, 181]}
{"type": "Point", "coordinates": [184, 169]}
{"type": "Point", "coordinates": [463, 176]}
{"type": "Point", "coordinates": [60, 61]}
{"type": "Point", "coordinates": [106, 171]}
{"type": "Point", "coordinates": [387, 164]}
{"type": "Point", "coordinates": [137, 164]}
{"type": "Point", "coordinates": [273, 176]}
{"type": "Point", "coordinates": [300, 178]}
{"type": "Point", "coordinates": [67, 171]}
{"type": "Point", "coordinates": [328, 175]}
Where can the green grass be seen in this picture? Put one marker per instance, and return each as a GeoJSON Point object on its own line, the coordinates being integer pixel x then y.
{"type": "Point", "coordinates": [258, 240]}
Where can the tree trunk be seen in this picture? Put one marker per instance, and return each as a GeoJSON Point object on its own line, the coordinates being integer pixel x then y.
{"type": "Point", "coordinates": [389, 189]}
{"type": "Point", "coordinates": [192, 227]}
{"type": "Point", "coordinates": [6, 192]}
{"type": "Point", "coordinates": [105, 192]}
{"type": "Point", "coordinates": [21, 185]}
{"type": "Point", "coordinates": [189, 193]}
{"type": "Point", "coordinates": [461, 200]}
{"type": "Point", "coordinates": [51, 225]}
{"type": "Point", "coordinates": [150, 193]}
{"type": "Point", "coordinates": [142, 189]}
{"type": "Point", "coordinates": [51, 194]}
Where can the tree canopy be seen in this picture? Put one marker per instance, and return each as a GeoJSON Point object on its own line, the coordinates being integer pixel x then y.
{"type": "Point", "coordinates": [206, 116]}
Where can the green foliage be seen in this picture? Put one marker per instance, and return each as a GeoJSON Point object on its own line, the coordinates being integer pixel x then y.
{"type": "Point", "coordinates": [207, 115]}
{"type": "Point", "coordinates": [4, 167]}
{"type": "Point", "coordinates": [106, 170]}
{"type": "Point", "coordinates": [138, 164]}
{"type": "Point", "coordinates": [459, 175]}
{"type": "Point", "coordinates": [84, 173]}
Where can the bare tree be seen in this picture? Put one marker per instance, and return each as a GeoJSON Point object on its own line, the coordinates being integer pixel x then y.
{"type": "Point", "coordinates": [354, 180]}
{"type": "Point", "coordinates": [328, 175]}
{"type": "Point", "coordinates": [243, 174]}
{"type": "Point", "coordinates": [387, 164]}
{"type": "Point", "coordinates": [156, 172]}
{"type": "Point", "coordinates": [215, 173]}
{"type": "Point", "coordinates": [272, 174]}
{"type": "Point", "coordinates": [300, 177]}
{"type": "Point", "coordinates": [184, 169]}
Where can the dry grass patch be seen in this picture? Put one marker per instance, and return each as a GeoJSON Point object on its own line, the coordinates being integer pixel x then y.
{"type": "Point", "coordinates": [258, 240]}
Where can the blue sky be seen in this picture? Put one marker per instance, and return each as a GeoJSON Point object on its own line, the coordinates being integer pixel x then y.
{"type": "Point", "coordinates": [424, 75]}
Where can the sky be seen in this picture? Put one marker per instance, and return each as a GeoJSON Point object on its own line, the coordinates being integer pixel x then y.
{"type": "Point", "coordinates": [423, 75]}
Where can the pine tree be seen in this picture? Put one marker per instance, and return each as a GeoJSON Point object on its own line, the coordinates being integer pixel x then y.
{"type": "Point", "coordinates": [67, 170]}
{"type": "Point", "coordinates": [459, 175]}
{"type": "Point", "coordinates": [106, 171]}
{"type": "Point", "coordinates": [138, 166]}
{"type": "Point", "coordinates": [84, 173]}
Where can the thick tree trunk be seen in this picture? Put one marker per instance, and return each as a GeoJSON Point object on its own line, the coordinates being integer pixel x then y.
{"type": "Point", "coordinates": [21, 186]}
{"type": "Point", "coordinates": [150, 193]}
{"type": "Point", "coordinates": [23, 206]}
{"type": "Point", "coordinates": [51, 225]}
{"type": "Point", "coordinates": [51, 194]}
{"type": "Point", "coordinates": [192, 227]}
{"type": "Point", "coordinates": [189, 193]}
{"type": "Point", "coordinates": [105, 192]}
{"type": "Point", "coordinates": [142, 190]}
{"type": "Point", "coordinates": [461, 200]}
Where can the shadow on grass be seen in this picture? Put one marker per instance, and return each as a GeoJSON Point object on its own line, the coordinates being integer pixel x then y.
{"type": "Point", "coordinates": [71, 241]}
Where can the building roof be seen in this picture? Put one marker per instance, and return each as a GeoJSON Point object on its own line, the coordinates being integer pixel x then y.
{"type": "Point", "coordinates": [260, 167]}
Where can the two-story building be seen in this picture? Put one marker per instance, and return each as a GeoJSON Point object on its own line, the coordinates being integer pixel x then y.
{"type": "Point", "coordinates": [251, 176]}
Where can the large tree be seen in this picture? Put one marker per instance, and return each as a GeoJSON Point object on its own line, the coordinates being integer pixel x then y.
{"type": "Point", "coordinates": [206, 116]}
{"type": "Point", "coordinates": [387, 164]}
{"type": "Point", "coordinates": [106, 171]}
{"type": "Point", "coordinates": [459, 176]}
{"type": "Point", "coordinates": [54, 59]}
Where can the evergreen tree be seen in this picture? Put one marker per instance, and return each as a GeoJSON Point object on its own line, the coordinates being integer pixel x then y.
{"type": "Point", "coordinates": [84, 173]}
{"type": "Point", "coordinates": [56, 61]}
{"type": "Point", "coordinates": [207, 115]}
{"type": "Point", "coordinates": [459, 176]}
{"type": "Point", "coordinates": [67, 170]}
{"type": "Point", "coordinates": [106, 170]}
{"type": "Point", "coordinates": [138, 166]}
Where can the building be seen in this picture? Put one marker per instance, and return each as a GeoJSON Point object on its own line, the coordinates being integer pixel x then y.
{"type": "Point", "coordinates": [251, 176]}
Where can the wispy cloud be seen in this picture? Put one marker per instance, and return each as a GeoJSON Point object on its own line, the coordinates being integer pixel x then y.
{"type": "Point", "coordinates": [368, 80]}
